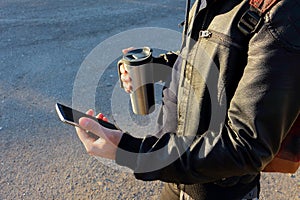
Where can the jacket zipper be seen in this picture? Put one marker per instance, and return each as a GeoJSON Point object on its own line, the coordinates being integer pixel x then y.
{"type": "Point", "coordinates": [204, 33]}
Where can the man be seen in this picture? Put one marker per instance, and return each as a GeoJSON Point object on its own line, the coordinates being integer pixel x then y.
{"type": "Point", "coordinates": [231, 101]}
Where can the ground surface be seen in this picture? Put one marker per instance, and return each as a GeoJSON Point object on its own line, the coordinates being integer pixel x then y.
{"type": "Point", "coordinates": [42, 46]}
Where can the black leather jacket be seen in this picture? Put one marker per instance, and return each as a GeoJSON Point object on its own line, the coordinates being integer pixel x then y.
{"type": "Point", "coordinates": [234, 101]}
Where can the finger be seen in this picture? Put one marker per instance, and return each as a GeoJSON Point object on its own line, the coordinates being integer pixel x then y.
{"type": "Point", "coordinates": [90, 112]}
{"type": "Point", "coordinates": [125, 78]}
{"type": "Point", "coordinates": [105, 119]}
{"type": "Point", "coordinates": [92, 126]}
{"type": "Point", "coordinates": [122, 69]}
{"type": "Point", "coordinates": [128, 90]}
{"type": "Point", "coordinates": [127, 86]}
{"type": "Point", "coordinates": [87, 141]}
{"type": "Point", "coordinates": [100, 116]}
{"type": "Point", "coordinates": [96, 149]}
{"type": "Point", "coordinates": [126, 50]}
{"type": "Point", "coordinates": [84, 137]}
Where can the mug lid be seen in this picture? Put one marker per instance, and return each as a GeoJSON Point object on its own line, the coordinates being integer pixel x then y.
{"type": "Point", "coordinates": [138, 56]}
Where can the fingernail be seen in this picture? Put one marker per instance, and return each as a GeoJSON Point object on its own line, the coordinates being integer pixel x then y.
{"type": "Point", "coordinates": [105, 119]}
{"type": "Point", "coordinates": [101, 115]}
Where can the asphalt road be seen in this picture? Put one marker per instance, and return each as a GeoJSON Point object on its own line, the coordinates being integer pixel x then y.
{"type": "Point", "coordinates": [42, 46]}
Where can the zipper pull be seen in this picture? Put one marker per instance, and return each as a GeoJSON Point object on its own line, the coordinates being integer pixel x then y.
{"type": "Point", "coordinates": [205, 34]}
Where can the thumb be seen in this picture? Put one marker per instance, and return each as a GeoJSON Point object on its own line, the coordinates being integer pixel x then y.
{"type": "Point", "coordinates": [124, 51]}
{"type": "Point", "coordinates": [92, 126]}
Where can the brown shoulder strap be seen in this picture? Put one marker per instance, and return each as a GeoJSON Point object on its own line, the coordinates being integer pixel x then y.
{"type": "Point", "coordinates": [262, 5]}
{"type": "Point", "coordinates": [288, 158]}
{"type": "Point", "coordinates": [290, 147]}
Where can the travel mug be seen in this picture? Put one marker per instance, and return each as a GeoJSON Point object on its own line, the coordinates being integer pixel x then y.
{"type": "Point", "coordinates": [139, 64]}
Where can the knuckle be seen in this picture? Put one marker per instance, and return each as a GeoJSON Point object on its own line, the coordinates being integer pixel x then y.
{"type": "Point", "coordinates": [93, 127]}
{"type": "Point", "coordinates": [90, 150]}
{"type": "Point", "coordinates": [124, 86]}
{"type": "Point", "coordinates": [122, 69]}
{"type": "Point", "coordinates": [122, 77]}
{"type": "Point", "coordinates": [125, 78]}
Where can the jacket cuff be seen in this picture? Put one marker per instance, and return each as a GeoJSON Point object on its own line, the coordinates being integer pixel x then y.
{"type": "Point", "coordinates": [127, 151]}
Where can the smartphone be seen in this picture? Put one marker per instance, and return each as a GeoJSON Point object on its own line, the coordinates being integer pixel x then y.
{"type": "Point", "coordinates": [71, 116]}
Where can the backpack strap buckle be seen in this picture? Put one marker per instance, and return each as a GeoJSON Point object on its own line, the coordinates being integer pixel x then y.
{"type": "Point", "coordinates": [252, 17]}
{"type": "Point", "coordinates": [249, 21]}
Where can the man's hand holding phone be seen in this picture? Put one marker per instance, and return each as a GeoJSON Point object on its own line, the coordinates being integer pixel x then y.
{"type": "Point", "coordinates": [107, 143]}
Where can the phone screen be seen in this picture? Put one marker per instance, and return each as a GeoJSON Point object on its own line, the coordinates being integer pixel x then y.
{"type": "Point", "coordinates": [71, 116]}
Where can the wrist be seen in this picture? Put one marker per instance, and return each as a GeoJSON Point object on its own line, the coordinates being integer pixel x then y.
{"type": "Point", "coordinates": [115, 137]}
{"type": "Point", "coordinates": [127, 151]}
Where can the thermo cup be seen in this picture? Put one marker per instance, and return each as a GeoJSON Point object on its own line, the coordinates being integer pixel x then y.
{"type": "Point", "coordinates": [139, 64]}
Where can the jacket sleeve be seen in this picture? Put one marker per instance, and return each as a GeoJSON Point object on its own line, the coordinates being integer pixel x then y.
{"type": "Point", "coordinates": [261, 112]}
